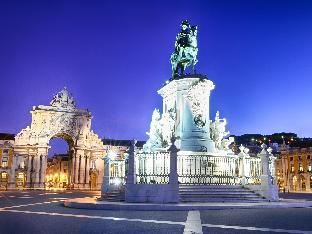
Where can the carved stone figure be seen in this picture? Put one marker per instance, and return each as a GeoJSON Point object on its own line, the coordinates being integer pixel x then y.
{"type": "Point", "coordinates": [218, 133]}
{"type": "Point", "coordinates": [63, 100]}
{"type": "Point", "coordinates": [185, 51]}
{"type": "Point", "coordinates": [167, 126]}
{"type": "Point", "coordinates": [161, 130]}
{"type": "Point", "coordinates": [155, 136]}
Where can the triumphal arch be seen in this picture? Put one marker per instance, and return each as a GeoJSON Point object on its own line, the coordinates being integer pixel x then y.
{"type": "Point", "coordinates": [60, 119]}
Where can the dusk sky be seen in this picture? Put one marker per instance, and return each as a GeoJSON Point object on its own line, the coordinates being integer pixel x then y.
{"type": "Point", "coordinates": [113, 56]}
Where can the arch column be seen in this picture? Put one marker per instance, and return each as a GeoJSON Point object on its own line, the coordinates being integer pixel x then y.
{"type": "Point", "coordinates": [77, 164]}
{"type": "Point", "coordinates": [43, 171]}
{"type": "Point", "coordinates": [12, 177]}
{"type": "Point", "coordinates": [82, 171]}
{"type": "Point", "coordinates": [36, 172]}
{"type": "Point", "coordinates": [72, 168]}
{"type": "Point", "coordinates": [29, 169]}
{"type": "Point", "coordinates": [87, 175]}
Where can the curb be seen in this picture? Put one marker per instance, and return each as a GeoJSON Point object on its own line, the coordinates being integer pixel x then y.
{"type": "Point", "coordinates": [92, 204]}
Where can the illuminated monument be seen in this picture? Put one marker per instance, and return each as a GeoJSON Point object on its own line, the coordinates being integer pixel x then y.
{"type": "Point", "coordinates": [186, 112]}
{"type": "Point", "coordinates": [187, 157]}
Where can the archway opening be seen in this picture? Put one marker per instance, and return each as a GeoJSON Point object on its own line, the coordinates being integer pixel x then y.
{"type": "Point", "coordinates": [58, 171]}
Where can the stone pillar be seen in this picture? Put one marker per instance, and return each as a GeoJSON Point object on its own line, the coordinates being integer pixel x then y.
{"type": "Point", "coordinates": [43, 171]}
{"type": "Point", "coordinates": [173, 176]}
{"type": "Point", "coordinates": [28, 173]}
{"type": "Point", "coordinates": [82, 171]}
{"type": "Point", "coordinates": [131, 178]}
{"type": "Point", "coordinates": [105, 184]}
{"type": "Point", "coordinates": [268, 184]}
{"type": "Point", "coordinates": [77, 157]}
{"type": "Point", "coordinates": [242, 172]}
{"type": "Point", "coordinates": [72, 169]}
{"type": "Point", "coordinates": [88, 171]}
{"type": "Point", "coordinates": [131, 174]}
{"type": "Point", "coordinates": [100, 168]}
{"type": "Point", "coordinates": [12, 178]}
{"type": "Point", "coordinates": [37, 171]}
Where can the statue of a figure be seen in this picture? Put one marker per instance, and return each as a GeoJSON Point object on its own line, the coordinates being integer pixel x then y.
{"type": "Point", "coordinates": [63, 99]}
{"type": "Point", "coordinates": [167, 126]}
{"type": "Point", "coordinates": [218, 133]}
{"type": "Point", "coordinates": [185, 51]}
{"type": "Point", "coordinates": [155, 135]}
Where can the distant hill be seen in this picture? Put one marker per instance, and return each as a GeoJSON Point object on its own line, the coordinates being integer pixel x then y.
{"type": "Point", "coordinates": [290, 139]}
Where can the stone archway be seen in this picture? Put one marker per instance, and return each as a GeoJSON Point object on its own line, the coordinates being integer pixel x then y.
{"type": "Point", "coordinates": [61, 119]}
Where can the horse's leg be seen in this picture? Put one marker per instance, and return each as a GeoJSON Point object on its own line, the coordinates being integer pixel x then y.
{"type": "Point", "coordinates": [183, 69]}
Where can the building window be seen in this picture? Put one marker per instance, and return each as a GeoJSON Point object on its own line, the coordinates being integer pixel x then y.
{"type": "Point", "coordinates": [292, 169]}
{"type": "Point", "coordinates": [291, 158]}
{"type": "Point", "coordinates": [300, 167]}
{"type": "Point", "coordinates": [309, 157]}
{"type": "Point", "coordinates": [5, 158]}
{"type": "Point", "coordinates": [4, 175]}
{"type": "Point", "coordinates": [309, 168]}
{"type": "Point", "coordinates": [299, 158]}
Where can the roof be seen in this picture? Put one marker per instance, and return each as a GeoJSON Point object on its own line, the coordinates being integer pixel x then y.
{"type": "Point", "coordinates": [6, 136]}
{"type": "Point", "coordinates": [127, 143]}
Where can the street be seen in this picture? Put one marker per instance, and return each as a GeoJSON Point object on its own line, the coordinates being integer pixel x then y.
{"type": "Point", "coordinates": [43, 212]}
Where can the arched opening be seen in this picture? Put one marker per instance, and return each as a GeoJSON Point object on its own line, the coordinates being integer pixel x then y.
{"type": "Point", "coordinates": [58, 170]}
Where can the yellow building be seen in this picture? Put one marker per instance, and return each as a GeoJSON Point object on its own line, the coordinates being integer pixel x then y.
{"type": "Point", "coordinates": [57, 172]}
{"type": "Point", "coordinates": [6, 159]}
{"type": "Point", "coordinates": [294, 169]}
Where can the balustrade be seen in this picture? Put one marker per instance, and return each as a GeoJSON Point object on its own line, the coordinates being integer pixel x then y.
{"type": "Point", "coordinates": [154, 168]}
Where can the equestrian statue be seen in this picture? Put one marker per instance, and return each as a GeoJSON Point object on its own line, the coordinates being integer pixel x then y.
{"type": "Point", "coordinates": [185, 50]}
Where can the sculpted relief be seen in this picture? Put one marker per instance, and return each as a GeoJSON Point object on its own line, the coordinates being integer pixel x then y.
{"type": "Point", "coordinates": [198, 100]}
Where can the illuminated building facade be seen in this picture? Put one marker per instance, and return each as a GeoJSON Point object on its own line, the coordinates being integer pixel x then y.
{"type": "Point", "coordinates": [294, 169]}
{"type": "Point", "coordinates": [57, 172]}
{"type": "Point", "coordinates": [6, 158]}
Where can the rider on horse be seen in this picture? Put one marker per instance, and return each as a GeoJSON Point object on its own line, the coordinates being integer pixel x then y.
{"type": "Point", "coordinates": [185, 49]}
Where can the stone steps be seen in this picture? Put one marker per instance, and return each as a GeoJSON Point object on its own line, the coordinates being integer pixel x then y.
{"type": "Point", "coordinates": [114, 196]}
{"type": "Point", "coordinates": [217, 193]}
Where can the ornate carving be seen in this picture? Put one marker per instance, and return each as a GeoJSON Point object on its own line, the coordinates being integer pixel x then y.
{"type": "Point", "coordinates": [63, 100]}
{"type": "Point", "coordinates": [218, 133]}
{"type": "Point", "coordinates": [197, 96]}
{"type": "Point", "coordinates": [63, 120]}
{"type": "Point", "coordinates": [161, 130]}
{"type": "Point", "coordinates": [155, 134]}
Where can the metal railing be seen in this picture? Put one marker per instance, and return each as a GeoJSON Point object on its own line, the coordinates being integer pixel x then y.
{"type": "Point", "coordinates": [253, 170]}
{"type": "Point", "coordinates": [152, 168]}
{"type": "Point", "coordinates": [207, 169]}
{"type": "Point", "coordinates": [117, 172]}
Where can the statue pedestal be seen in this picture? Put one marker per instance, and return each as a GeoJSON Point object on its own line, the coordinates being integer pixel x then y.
{"type": "Point", "coordinates": [188, 99]}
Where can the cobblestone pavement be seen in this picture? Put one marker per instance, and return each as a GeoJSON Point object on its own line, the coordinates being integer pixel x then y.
{"type": "Point", "coordinates": [43, 212]}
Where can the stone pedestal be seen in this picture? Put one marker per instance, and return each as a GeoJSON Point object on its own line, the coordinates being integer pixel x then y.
{"type": "Point", "coordinates": [105, 184]}
{"type": "Point", "coordinates": [188, 100]}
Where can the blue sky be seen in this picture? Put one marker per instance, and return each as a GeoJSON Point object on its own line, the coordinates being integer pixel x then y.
{"type": "Point", "coordinates": [114, 55]}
